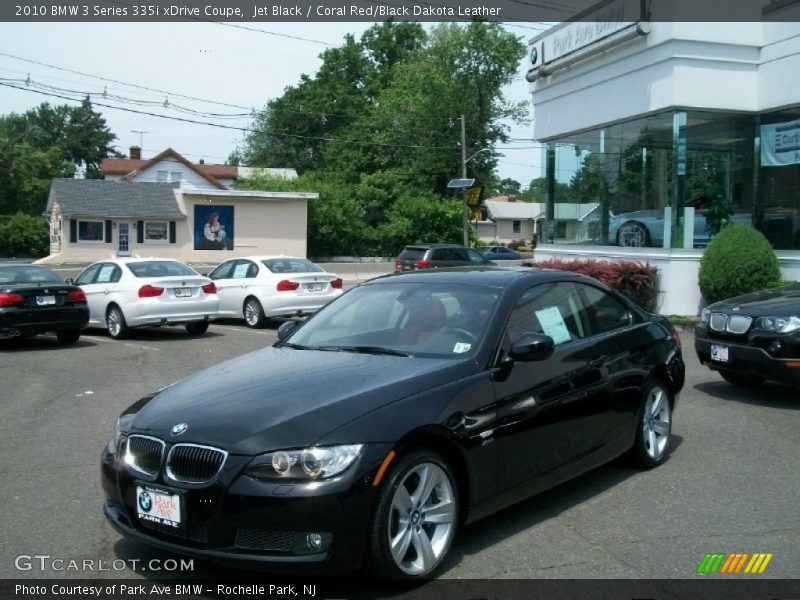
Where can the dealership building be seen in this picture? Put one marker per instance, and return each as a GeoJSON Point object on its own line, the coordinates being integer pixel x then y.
{"type": "Point", "coordinates": [672, 128]}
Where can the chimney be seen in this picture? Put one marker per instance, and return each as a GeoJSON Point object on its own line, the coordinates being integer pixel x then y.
{"type": "Point", "coordinates": [202, 161]}
{"type": "Point", "coordinates": [135, 153]}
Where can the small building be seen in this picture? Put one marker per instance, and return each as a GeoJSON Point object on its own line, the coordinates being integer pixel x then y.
{"type": "Point", "coordinates": [93, 219]}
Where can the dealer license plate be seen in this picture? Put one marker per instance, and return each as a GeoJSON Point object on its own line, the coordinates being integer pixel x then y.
{"type": "Point", "coordinates": [45, 300]}
{"type": "Point", "coordinates": [158, 507]}
{"type": "Point", "coordinates": [719, 353]}
{"type": "Point", "coordinates": [314, 287]}
{"type": "Point", "coordinates": [183, 292]}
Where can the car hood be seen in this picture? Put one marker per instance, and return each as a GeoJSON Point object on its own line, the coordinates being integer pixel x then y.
{"type": "Point", "coordinates": [775, 302]}
{"type": "Point", "coordinates": [280, 397]}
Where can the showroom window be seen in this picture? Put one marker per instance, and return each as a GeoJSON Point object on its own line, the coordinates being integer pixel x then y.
{"type": "Point", "coordinates": [156, 231]}
{"type": "Point", "coordinates": [91, 231]}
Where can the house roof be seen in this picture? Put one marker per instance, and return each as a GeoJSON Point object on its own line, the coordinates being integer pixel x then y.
{"type": "Point", "coordinates": [124, 166]}
{"type": "Point", "coordinates": [100, 198]}
{"type": "Point", "coordinates": [578, 212]}
{"type": "Point", "coordinates": [498, 209]}
{"type": "Point", "coordinates": [170, 153]}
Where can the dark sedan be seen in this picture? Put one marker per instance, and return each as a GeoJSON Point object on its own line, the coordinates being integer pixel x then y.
{"type": "Point", "coordinates": [410, 406]}
{"type": "Point", "coordinates": [35, 300]}
{"type": "Point", "coordinates": [753, 338]}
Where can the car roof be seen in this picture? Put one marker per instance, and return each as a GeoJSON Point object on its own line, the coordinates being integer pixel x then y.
{"type": "Point", "coordinates": [489, 275]}
{"type": "Point", "coordinates": [271, 257]}
{"type": "Point", "coordinates": [426, 246]}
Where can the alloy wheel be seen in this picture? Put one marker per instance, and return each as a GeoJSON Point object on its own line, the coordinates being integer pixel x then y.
{"type": "Point", "coordinates": [422, 520]}
{"type": "Point", "coordinates": [252, 313]}
{"type": "Point", "coordinates": [656, 422]}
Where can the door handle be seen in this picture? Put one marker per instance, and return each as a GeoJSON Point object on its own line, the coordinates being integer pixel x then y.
{"type": "Point", "coordinates": [106, 292]}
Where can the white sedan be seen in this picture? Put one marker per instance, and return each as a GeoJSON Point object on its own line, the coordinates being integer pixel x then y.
{"type": "Point", "coordinates": [131, 292]}
{"type": "Point", "coordinates": [257, 288]}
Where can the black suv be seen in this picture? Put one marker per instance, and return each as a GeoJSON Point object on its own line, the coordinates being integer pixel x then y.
{"type": "Point", "coordinates": [425, 256]}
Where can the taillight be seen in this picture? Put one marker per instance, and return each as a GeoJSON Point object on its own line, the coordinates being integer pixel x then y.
{"type": "Point", "coordinates": [676, 337]}
{"type": "Point", "coordinates": [11, 299]}
{"type": "Point", "coordinates": [337, 283]}
{"type": "Point", "coordinates": [287, 286]}
{"type": "Point", "coordinates": [421, 263]}
{"type": "Point", "coordinates": [76, 296]}
{"type": "Point", "coordinates": [397, 265]}
{"type": "Point", "coordinates": [210, 288]}
{"type": "Point", "coordinates": [150, 291]}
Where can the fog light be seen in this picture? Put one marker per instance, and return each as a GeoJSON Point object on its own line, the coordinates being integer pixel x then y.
{"type": "Point", "coordinates": [775, 347]}
{"type": "Point", "coordinates": [314, 541]}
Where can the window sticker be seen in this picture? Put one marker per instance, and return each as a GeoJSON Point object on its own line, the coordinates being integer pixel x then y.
{"type": "Point", "coordinates": [553, 324]}
{"type": "Point", "coordinates": [461, 347]}
{"type": "Point", "coordinates": [240, 272]}
{"type": "Point", "coordinates": [105, 274]}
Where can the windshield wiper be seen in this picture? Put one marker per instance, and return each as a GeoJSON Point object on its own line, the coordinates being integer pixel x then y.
{"type": "Point", "coordinates": [366, 350]}
{"type": "Point", "coordinates": [295, 346]}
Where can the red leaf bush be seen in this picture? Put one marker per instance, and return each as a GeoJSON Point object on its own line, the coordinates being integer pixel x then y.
{"type": "Point", "coordinates": [635, 280]}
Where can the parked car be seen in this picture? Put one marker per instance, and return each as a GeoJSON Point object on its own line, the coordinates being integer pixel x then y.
{"type": "Point", "coordinates": [501, 253]}
{"type": "Point", "coordinates": [752, 338]}
{"type": "Point", "coordinates": [645, 228]}
{"type": "Point", "coordinates": [256, 288]}
{"type": "Point", "coordinates": [426, 256]}
{"type": "Point", "coordinates": [35, 300]}
{"type": "Point", "coordinates": [124, 293]}
{"type": "Point", "coordinates": [404, 409]}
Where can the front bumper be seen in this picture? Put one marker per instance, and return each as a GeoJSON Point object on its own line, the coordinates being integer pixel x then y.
{"type": "Point", "coordinates": [255, 524]}
{"type": "Point", "coordinates": [745, 358]}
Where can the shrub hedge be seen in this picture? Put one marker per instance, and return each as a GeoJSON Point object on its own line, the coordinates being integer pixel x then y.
{"type": "Point", "coordinates": [738, 260]}
{"type": "Point", "coordinates": [24, 236]}
{"type": "Point", "coordinates": [637, 281]}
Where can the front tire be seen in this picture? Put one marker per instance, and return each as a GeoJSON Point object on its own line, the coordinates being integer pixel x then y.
{"type": "Point", "coordinates": [742, 379]}
{"type": "Point", "coordinates": [633, 235]}
{"type": "Point", "coordinates": [68, 336]}
{"type": "Point", "coordinates": [254, 314]}
{"type": "Point", "coordinates": [653, 426]}
{"type": "Point", "coordinates": [197, 328]}
{"type": "Point", "coordinates": [415, 518]}
{"type": "Point", "coordinates": [116, 324]}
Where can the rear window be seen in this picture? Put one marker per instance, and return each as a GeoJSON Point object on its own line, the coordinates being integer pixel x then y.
{"type": "Point", "coordinates": [24, 274]}
{"type": "Point", "coordinates": [291, 265]}
{"type": "Point", "coordinates": [412, 254]}
{"type": "Point", "coordinates": [160, 268]}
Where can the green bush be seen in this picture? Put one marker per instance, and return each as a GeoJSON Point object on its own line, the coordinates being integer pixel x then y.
{"type": "Point", "coordinates": [24, 236]}
{"type": "Point", "coordinates": [738, 260]}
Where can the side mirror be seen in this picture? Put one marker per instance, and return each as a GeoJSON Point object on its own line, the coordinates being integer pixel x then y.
{"type": "Point", "coordinates": [69, 281]}
{"type": "Point", "coordinates": [285, 329]}
{"type": "Point", "coordinates": [531, 347]}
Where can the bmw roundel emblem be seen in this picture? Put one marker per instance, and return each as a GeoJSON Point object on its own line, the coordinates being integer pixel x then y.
{"type": "Point", "coordinates": [179, 428]}
{"type": "Point", "coordinates": [145, 501]}
{"type": "Point", "coordinates": [534, 55]}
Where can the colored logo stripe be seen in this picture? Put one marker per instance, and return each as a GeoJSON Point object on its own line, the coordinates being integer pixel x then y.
{"type": "Point", "coordinates": [733, 562]}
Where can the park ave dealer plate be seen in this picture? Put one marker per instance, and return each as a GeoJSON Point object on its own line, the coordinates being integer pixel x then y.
{"type": "Point", "coordinates": [158, 506]}
{"type": "Point", "coordinates": [719, 353]}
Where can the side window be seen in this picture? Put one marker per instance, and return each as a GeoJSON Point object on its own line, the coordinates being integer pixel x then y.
{"type": "Point", "coordinates": [223, 271]}
{"type": "Point", "coordinates": [242, 269]}
{"type": "Point", "coordinates": [88, 275]}
{"type": "Point", "coordinates": [108, 273]}
{"type": "Point", "coordinates": [441, 254]}
{"type": "Point", "coordinates": [459, 254]}
{"type": "Point", "coordinates": [554, 309]}
{"type": "Point", "coordinates": [604, 312]}
{"type": "Point", "coordinates": [475, 256]}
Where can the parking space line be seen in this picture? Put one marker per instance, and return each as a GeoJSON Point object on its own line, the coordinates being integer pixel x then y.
{"type": "Point", "coordinates": [102, 339]}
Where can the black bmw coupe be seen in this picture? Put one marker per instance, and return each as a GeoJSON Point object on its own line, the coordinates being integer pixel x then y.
{"type": "Point", "coordinates": [409, 407]}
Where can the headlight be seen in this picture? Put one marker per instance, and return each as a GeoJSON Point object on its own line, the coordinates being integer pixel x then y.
{"type": "Point", "coordinates": [305, 463]}
{"type": "Point", "coordinates": [779, 324]}
{"type": "Point", "coordinates": [121, 425]}
{"type": "Point", "coordinates": [705, 315]}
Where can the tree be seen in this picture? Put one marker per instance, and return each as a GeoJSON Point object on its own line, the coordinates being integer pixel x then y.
{"type": "Point", "coordinates": [46, 142]}
{"type": "Point", "coordinates": [509, 187]}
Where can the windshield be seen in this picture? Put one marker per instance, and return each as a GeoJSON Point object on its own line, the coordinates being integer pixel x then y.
{"type": "Point", "coordinates": [160, 268]}
{"type": "Point", "coordinates": [430, 319]}
{"type": "Point", "coordinates": [24, 274]}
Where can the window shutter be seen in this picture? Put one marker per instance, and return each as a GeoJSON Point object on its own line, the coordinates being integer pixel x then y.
{"type": "Point", "coordinates": [73, 231]}
{"type": "Point", "coordinates": [108, 232]}
{"type": "Point", "coordinates": [140, 232]}
{"type": "Point", "coordinates": [172, 232]}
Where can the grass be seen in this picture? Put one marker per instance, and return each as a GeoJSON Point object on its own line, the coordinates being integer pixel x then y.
{"type": "Point", "coordinates": [683, 321]}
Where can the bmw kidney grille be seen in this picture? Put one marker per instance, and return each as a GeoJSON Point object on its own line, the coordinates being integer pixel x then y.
{"type": "Point", "coordinates": [186, 463]}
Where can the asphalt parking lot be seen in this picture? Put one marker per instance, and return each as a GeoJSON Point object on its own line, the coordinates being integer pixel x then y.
{"type": "Point", "coordinates": [731, 483]}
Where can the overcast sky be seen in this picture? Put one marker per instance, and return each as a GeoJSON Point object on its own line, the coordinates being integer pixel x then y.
{"type": "Point", "coordinates": [211, 61]}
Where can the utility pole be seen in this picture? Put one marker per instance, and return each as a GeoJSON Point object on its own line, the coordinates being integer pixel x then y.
{"type": "Point", "coordinates": [464, 176]}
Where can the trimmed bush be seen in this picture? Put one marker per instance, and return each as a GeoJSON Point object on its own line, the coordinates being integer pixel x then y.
{"type": "Point", "coordinates": [737, 261]}
{"type": "Point", "coordinates": [636, 281]}
{"type": "Point", "coordinates": [24, 236]}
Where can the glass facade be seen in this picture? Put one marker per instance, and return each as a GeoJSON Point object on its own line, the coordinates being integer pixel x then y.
{"type": "Point", "coordinates": [671, 180]}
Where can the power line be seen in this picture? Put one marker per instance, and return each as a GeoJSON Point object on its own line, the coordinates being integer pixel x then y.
{"type": "Point", "coordinates": [243, 129]}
